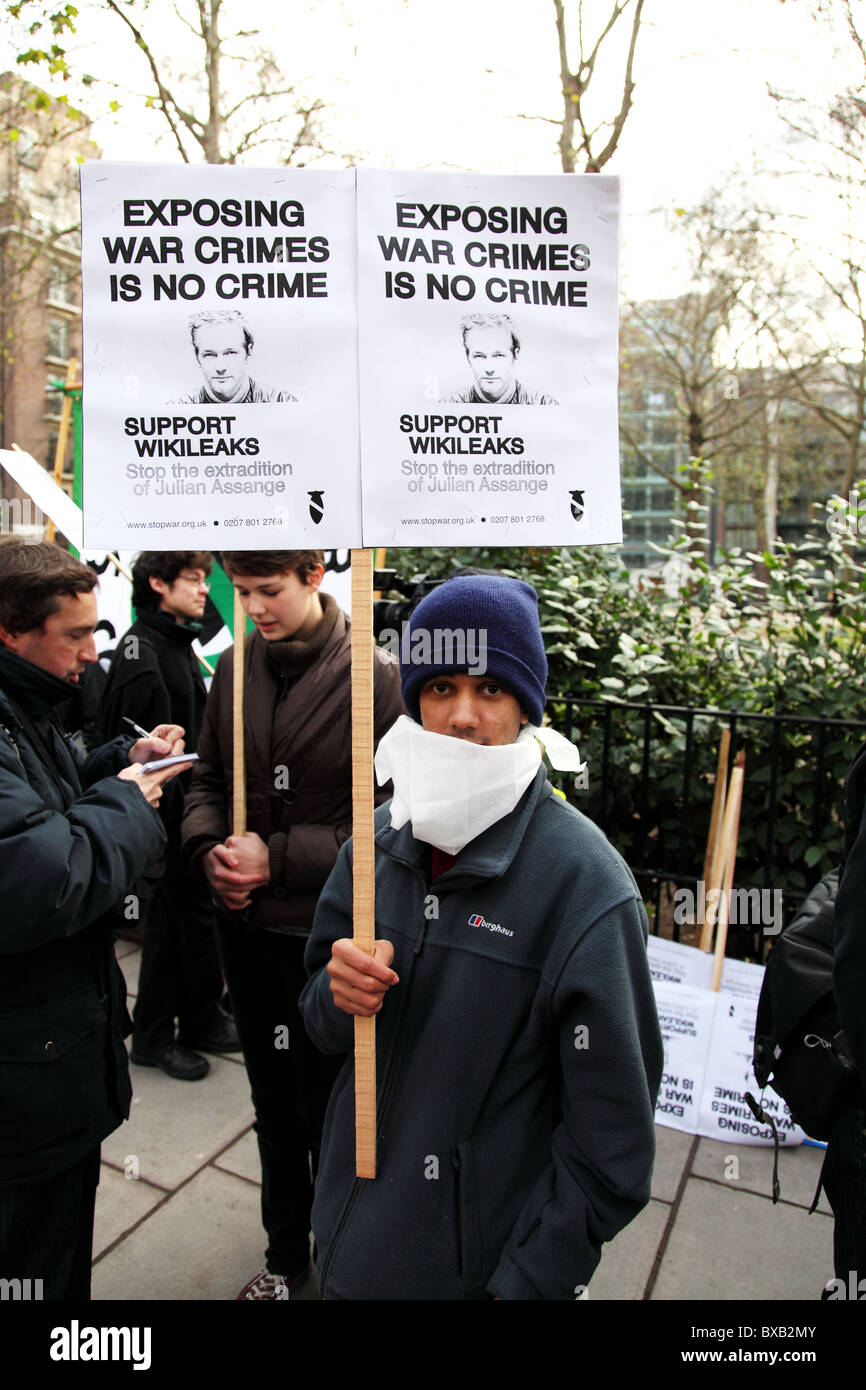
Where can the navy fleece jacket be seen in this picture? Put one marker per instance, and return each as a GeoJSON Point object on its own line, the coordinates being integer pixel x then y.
{"type": "Point", "coordinates": [518, 1064]}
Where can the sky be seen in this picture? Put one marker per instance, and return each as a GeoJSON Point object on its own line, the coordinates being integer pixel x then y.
{"type": "Point", "coordinates": [427, 84]}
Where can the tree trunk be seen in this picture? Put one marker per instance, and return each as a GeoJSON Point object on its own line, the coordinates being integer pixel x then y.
{"type": "Point", "coordinates": [213, 130]}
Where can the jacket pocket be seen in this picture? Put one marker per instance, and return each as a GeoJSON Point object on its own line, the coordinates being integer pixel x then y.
{"type": "Point", "coordinates": [468, 1218]}
{"type": "Point", "coordinates": [52, 1075]}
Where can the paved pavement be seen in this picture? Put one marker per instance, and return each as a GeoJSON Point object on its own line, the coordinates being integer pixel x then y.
{"type": "Point", "coordinates": [177, 1215]}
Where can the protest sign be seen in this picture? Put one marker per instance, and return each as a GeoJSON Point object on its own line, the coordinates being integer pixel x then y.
{"type": "Point", "coordinates": [220, 403]}
{"type": "Point", "coordinates": [723, 1112]}
{"type": "Point", "coordinates": [674, 963]}
{"type": "Point", "coordinates": [709, 1040]}
{"type": "Point", "coordinates": [479, 295]}
{"type": "Point", "coordinates": [686, 1021]}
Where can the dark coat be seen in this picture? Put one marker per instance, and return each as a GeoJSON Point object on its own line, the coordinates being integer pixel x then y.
{"type": "Point", "coordinates": [298, 747]}
{"type": "Point", "coordinates": [849, 972]}
{"type": "Point", "coordinates": [66, 857]}
{"type": "Point", "coordinates": [154, 678]}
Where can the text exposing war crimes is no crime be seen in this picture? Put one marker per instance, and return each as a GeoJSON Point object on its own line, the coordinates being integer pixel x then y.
{"type": "Point", "coordinates": [544, 256]}
{"type": "Point", "coordinates": [211, 249]}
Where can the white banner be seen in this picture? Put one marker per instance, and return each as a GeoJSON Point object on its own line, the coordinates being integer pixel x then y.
{"type": "Point", "coordinates": [478, 294]}
{"type": "Point", "coordinates": [709, 1040]}
{"type": "Point", "coordinates": [220, 361]}
{"type": "Point", "coordinates": [686, 1021]}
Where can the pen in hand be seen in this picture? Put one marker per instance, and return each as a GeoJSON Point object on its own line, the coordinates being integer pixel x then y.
{"type": "Point", "coordinates": [142, 733]}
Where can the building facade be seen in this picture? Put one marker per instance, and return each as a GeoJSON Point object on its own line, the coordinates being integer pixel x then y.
{"type": "Point", "coordinates": [43, 143]}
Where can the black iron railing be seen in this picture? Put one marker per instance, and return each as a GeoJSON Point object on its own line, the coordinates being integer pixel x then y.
{"type": "Point", "coordinates": [649, 785]}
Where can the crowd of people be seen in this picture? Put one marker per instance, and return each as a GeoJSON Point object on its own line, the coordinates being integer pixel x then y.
{"type": "Point", "coordinates": [518, 1048]}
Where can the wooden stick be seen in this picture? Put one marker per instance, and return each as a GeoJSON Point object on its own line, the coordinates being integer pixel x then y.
{"type": "Point", "coordinates": [364, 931]}
{"type": "Point", "coordinates": [201, 658]}
{"type": "Point", "coordinates": [239, 776]}
{"type": "Point", "coordinates": [62, 435]}
{"type": "Point", "coordinates": [730, 831]}
{"type": "Point", "coordinates": [712, 868]}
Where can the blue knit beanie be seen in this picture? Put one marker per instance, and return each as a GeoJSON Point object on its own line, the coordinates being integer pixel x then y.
{"type": "Point", "coordinates": [500, 617]}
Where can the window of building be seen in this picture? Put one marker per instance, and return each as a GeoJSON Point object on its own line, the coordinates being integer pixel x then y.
{"type": "Point", "coordinates": [663, 431]}
{"type": "Point", "coordinates": [663, 499]}
{"type": "Point", "coordinates": [60, 286]}
{"type": "Point", "coordinates": [58, 338]}
{"type": "Point", "coordinates": [635, 499]}
{"type": "Point", "coordinates": [53, 398]}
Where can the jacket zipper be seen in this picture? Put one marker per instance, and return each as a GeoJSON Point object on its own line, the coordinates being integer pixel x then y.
{"type": "Point", "coordinates": [387, 1089]}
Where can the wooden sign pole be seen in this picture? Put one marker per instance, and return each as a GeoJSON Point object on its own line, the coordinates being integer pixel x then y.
{"type": "Point", "coordinates": [712, 867]}
{"type": "Point", "coordinates": [239, 776]}
{"type": "Point", "coordinates": [728, 855]}
{"type": "Point", "coordinates": [364, 931]}
{"type": "Point", "coordinates": [63, 434]}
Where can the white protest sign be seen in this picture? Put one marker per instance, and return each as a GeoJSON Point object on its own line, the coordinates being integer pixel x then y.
{"type": "Point", "coordinates": [709, 1040]}
{"type": "Point", "coordinates": [488, 359]}
{"type": "Point", "coordinates": [113, 596]}
{"type": "Point", "coordinates": [686, 1021]}
{"type": "Point", "coordinates": [723, 1112]}
{"type": "Point", "coordinates": [220, 370]}
{"type": "Point", "coordinates": [677, 964]}
{"type": "Point", "coordinates": [48, 495]}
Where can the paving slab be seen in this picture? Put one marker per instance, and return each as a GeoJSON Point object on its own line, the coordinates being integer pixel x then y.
{"type": "Point", "coordinates": [120, 1203]}
{"type": "Point", "coordinates": [730, 1244]}
{"type": "Point", "coordinates": [204, 1243]}
{"type": "Point", "coordinates": [799, 1170]}
{"type": "Point", "coordinates": [242, 1158]}
{"type": "Point", "coordinates": [176, 1127]}
{"type": "Point", "coordinates": [672, 1151]}
{"type": "Point", "coordinates": [627, 1261]}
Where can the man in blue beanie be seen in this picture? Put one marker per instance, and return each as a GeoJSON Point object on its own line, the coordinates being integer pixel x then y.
{"type": "Point", "coordinates": [518, 1047]}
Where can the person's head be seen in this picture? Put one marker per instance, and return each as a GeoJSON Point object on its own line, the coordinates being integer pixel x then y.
{"type": "Point", "coordinates": [172, 580]}
{"type": "Point", "coordinates": [47, 608]}
{"type": "Point", "coordinates": [498, 617]}
{"type": "Point", "coordinates": [279, 590]}
{"type": "Point", "coordinates": [492, 348]}
{"type": "Point", "coordinates": [223, 342]}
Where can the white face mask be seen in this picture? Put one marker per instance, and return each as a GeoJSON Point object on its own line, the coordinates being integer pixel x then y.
{"type": "Point", "coordinates": [452, 789]}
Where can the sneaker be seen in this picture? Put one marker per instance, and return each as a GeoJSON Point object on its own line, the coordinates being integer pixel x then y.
{"type": "Point", "coordinates": [178, 1062]}
{"type": "Point", "coordinates": [276, 1286]}
{"type": "Point", "coordinates": [222, 1036]}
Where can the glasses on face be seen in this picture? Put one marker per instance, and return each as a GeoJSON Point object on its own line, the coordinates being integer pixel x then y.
{"type": "Point", "coordinates": [197, 580]}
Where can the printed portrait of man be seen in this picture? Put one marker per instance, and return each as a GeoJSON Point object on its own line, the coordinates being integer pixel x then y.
{"type": "Point", "coordinates": [492, 348]}
{"type": "Point", "coordinates": [223, 342]}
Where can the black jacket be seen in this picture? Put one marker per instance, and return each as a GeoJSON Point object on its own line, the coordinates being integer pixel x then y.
{"type": "Point", "coordinates": [849, 972]}
{"type": "Point", "coordinates": [154, 678]}
{"type": "Point", "coordinates": [66, 857]}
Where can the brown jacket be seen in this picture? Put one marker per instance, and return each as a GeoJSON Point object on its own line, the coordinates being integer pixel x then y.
{"type": "Point", "coordinates": [298, 746]}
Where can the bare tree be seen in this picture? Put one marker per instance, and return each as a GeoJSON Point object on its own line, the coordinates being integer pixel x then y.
{"type": "Point", "coordinates": [592, 144]}
{"type": "Point", "coordinates": [233, 98]}
{"type": "Point", "coordinates": [709, 352]}
{"type": "Point", "coordinates": [829, 149]}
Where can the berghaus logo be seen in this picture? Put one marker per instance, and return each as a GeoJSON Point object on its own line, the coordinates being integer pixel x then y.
{"type": "Point", "coordinates": [476, 920]}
